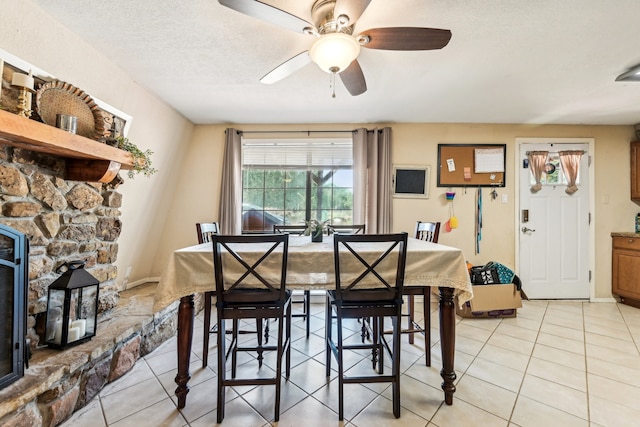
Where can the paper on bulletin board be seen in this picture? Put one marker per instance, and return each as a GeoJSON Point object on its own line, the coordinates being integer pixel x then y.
{"type": "Point", "coordinates": [489, 160]}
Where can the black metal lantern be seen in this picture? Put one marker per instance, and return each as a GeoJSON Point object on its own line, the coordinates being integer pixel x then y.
{"type": "Point", "coordinates": [72, 307]}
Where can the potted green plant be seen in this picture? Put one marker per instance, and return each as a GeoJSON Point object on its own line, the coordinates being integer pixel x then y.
{"type": "Point", "coordinates": [315, 229]}
{"type": "Point", "coordinates": [141, 159]}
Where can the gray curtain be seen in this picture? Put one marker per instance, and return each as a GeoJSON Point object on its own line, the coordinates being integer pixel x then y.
{"type": "Point", "coordinates": [372, 170]}
{"type": "Point", "coordinates": [231, 192]}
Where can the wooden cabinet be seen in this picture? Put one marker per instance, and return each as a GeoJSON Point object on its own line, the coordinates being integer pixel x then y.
{"type": "Point", "coordinates": [635, 171]}
{"type": "Point", "coordinates": [625, 275]}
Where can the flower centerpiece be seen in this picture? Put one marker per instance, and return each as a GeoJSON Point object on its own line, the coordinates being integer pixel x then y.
{"type": "Point", "coordinates": [315, 229]}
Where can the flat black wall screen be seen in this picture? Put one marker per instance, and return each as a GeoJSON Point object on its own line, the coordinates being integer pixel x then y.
{"type": "Point", "coordinates": [410, 181]}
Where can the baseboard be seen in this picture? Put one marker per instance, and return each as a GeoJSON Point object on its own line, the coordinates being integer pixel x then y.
{"type": "Point", "coordinates": [603, 300]}
{"type": "Point", "coordinates": [130, 285]}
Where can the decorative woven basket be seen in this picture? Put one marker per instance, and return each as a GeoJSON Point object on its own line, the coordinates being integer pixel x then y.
{"type": "Point", "coordinates": [58, 97]}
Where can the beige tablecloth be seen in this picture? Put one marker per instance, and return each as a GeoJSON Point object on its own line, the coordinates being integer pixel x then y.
{"type": "Point", "coordinates": [310, 266]}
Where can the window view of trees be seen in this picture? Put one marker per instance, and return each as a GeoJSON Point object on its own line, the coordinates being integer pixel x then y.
{"type": "Point", "coordinates": [290, 196]}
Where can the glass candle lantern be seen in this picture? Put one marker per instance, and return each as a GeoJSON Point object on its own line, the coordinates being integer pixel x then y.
{"type": "Point", "coordinates": [72, 307]}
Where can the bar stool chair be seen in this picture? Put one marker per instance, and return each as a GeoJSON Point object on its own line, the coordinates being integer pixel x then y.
{"type": "Point", "coordinates": [251, 284]}
{"type": "Point", "coordinates": [427, 231]}
{"type": "Point", "coordinates": [205, 231]}
{"type": "Point", "coordinates": [306, 295]}
{"type": "Point", "coordinates": [369, 275]}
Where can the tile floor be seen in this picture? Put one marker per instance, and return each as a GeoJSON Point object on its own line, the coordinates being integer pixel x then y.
{"type": "Point", "coordinates": [556, 364]}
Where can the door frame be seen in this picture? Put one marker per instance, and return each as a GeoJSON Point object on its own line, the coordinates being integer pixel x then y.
{"type": "Point", "coordinates": [518, 164]}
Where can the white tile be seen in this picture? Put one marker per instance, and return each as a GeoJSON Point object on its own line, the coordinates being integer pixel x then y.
{"type": "Point", "coordinates": [574, 378]}
{"type": "Point", "coordinates": [491, 358]}
{"type": "Point", "coordinates": [139, 373]}
{"type": "Point", "coordinates": [530, 413]}
{"type": "Point", "coordinates": [614, 371]}
{"type": "Point", "coordinates": [555, 395]}
{"type": "Point", "coordinates": [517, 332]}
{"type": "Point", "coordinates": [89, 416]}
{"type": "Point", "coordinates": [462, 413]}
{"type": "Point", "coordinates": [562, 357]}
{"type": "Point", "coordinates": [614, 391]}
{"type": "Point", "coordinates": [132, 399]}
{"type": "Point", "coordinates": [511, 343]}
{"type": "Point", "coordinates": [237, 412]}
{"type": "Point", "coordinates": [358, 398]}
{"type": "Point", "coordinates": [613, 355]}
{"type": "Point", "coordinates": [561, 331]}
{"type": "Point", "coordinates": [627, 346]}
{"type": "Point", "coordinates": [608, 413]}
{"type": "Point", "coordinates": [489, 397]}
{"type": "Point", "coordinates": [162, 414]}
{"type": "Point", "coordinates": [499, 375]}
{"type": "Point", "coordinates": [380, 414]}
{"type": "Point", "coordinates": [502, 356]}
{"type": "Point", "coordinates": [561, 343]}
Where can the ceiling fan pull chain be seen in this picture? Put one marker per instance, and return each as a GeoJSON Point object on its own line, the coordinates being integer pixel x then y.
{"type": "Point", "coordinates": [332, 84]}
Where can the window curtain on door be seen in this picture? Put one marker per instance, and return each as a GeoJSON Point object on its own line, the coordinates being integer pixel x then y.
{"type": "Point", "coordinates": [570, 161]}
{"type": "Point", "coordinates": [537, 162]}
{"type": "Point", "coordinates": [231, 192]}
{"type": "Point", "coordinates": [372, 172]}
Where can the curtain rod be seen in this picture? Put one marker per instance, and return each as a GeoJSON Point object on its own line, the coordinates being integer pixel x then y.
{"type": "Point", "coordinates": [556, 152]}
{"type": "Point", "coordinates": [308, 132]}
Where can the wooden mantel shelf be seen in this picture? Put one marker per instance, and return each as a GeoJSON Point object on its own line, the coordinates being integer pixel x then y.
{"type": "Point", "coordinates": [86, 159]}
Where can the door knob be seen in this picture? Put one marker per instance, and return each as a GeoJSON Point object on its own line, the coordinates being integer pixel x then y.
{"type": "Point", "coordinates": [525, 229]}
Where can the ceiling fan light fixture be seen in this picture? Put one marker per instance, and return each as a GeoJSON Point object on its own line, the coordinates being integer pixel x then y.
{"type": "Point", "coordinates": [334, 51]}
{"type": "Point", "coordinates": [632, 75]}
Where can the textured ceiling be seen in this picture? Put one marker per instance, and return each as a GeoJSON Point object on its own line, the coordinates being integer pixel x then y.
{"type": "Point", "coordinates": [509, 61]}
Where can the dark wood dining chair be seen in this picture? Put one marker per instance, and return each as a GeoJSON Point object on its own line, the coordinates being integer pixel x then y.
{"type": "Point", "coordinates": [251, 284]}
{"type": "Point", "coordinates": [298, 230]}
{"type": "Point", "coordinates": [205, 231]}
{"type": "Point", "coordinates": [428, 231]}
{"type": "Point", "coordinates": [349, 229]}
{"type": "Point", "coordinates": [368, 285]}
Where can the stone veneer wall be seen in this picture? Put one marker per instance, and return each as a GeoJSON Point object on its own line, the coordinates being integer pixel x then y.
{"type": "Point", "coordinates": [63, 221]}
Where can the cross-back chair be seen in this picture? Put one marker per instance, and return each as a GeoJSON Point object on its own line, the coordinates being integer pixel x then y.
{"type": "Point", "coordinates": [205, 231]}
{"type": "Point", "coordinates": [350, 229]}
{"type": "Point", "coordinates": [369, 275]}
{"type": "Point", "coordinates": [298, 230]}
{"type": "Point", "coordinates": [427, 231]}
{"type": "Point", "coordinates": [251, 284]}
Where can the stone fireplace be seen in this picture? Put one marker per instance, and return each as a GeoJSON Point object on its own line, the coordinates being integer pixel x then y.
{"type": "Point", "coordinates": [63, 221]}
{"type": "Point", "coordinates": [66, 220]}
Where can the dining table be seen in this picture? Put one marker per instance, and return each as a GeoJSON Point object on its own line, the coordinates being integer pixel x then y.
{"type": "Point", "coordinates": [311, 267]}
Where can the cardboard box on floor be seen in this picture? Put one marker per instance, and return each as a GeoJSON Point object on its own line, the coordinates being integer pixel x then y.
{"type": "Point", "coordinates": [492, 301]}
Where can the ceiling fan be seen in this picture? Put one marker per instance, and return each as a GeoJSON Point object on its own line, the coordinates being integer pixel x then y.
{"type": "Point", "coordinates": [336, 49]}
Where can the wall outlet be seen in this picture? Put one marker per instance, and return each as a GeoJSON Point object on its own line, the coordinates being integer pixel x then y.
{"type": "Point", "coordinates": [505, 198]}
{"type": "Point", "coordinates": [128, 272]}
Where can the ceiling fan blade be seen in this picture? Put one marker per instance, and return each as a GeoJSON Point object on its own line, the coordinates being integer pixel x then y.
{"type": "Point", "coordinates": [353, 79]}
{"type": "Point", "coordinates": [265, 12]}
{"type": "Point", "coordinates": [406, 38]}
{"type": "Point", "coordinates": [351, 8]}
{"type": "Point", "coordinates": [287, 68]}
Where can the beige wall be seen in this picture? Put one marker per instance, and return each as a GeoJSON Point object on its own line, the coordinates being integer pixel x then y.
{"type": "Point", "coordinates": [158, 214]}
{"type": "Point", "coordinates": [417, 144]}
{"type": "Point", "coordinates": [28, 33]}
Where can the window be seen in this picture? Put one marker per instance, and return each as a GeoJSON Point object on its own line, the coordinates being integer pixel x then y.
{"type": "Point", "coordinates": [289, 181]}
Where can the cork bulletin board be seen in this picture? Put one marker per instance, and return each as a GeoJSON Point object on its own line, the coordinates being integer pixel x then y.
{"type": "Point", "coordinates": [471, 165]}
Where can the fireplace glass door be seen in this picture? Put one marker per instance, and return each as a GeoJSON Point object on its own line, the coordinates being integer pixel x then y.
{"type": "Point", "coordinates": [13, 277]}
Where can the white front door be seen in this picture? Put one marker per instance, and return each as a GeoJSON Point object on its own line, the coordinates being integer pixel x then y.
{"type": "Point", "coordinates": [554, 226]}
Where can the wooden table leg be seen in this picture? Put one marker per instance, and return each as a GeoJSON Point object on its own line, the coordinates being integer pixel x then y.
{"type": "Point", "coordinates": [447, 342]}
{"type": "Point", "coordinates": [185, 337]}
